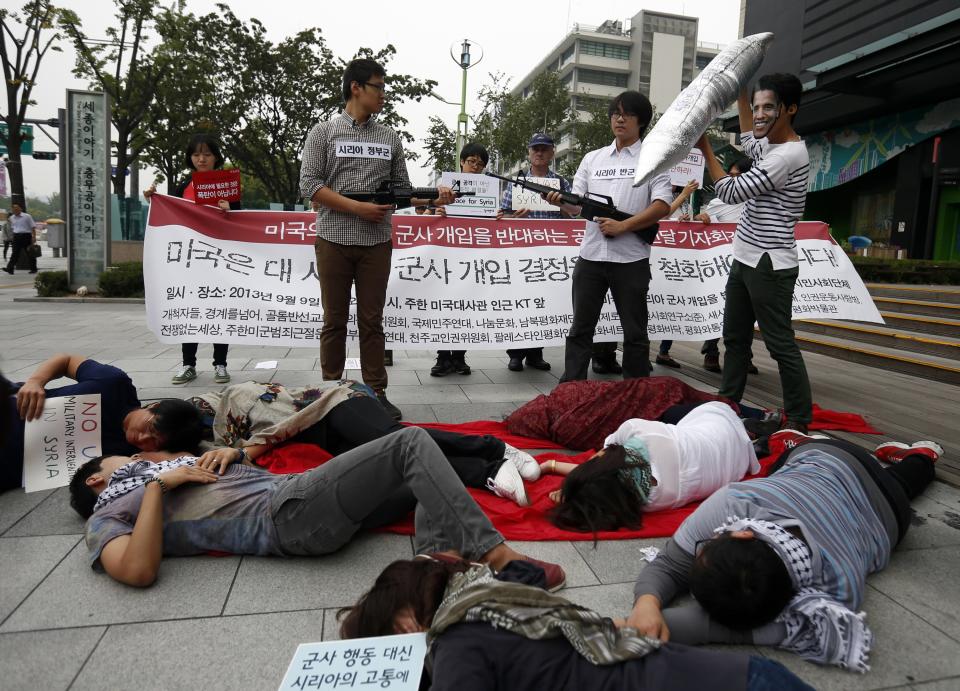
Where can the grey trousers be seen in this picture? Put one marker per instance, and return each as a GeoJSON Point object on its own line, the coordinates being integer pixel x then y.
{"type": "Point", "coordinates": [319, 511]}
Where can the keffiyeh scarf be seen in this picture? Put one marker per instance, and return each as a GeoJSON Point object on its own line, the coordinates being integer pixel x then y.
{"type": "Point", "coordinates": [135, 474]}
{"type": "Point", "coordinates": [818, 627]}
{"type": "Point", "coordinates": [638, 473]}
{"type": "Point", "coordinates": [476, 596]}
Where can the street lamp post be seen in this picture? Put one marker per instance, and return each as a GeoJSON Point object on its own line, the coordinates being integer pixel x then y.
{"type": "Point", "coordinates": [465, 64]}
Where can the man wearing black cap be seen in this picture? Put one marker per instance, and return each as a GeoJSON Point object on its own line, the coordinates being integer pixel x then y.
{"type": "Point", "coordinates": [540, 152]}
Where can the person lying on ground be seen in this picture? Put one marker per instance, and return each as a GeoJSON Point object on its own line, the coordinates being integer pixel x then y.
{"type": "Point", "coordinates": [783, 560]}
{"type": "Point", "coordinates": [138, 511]}
{"type": "Point", "coordinates": [337, 416]}
{"type": "Point", "coordinates": [126, 427]}
{"type": "Point", "coordinates": [486, 631]}
{"type": "Point", "coordinates": [648, 465]}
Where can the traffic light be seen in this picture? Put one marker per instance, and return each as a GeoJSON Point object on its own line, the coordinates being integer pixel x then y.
{"type": "Point", "coordinates": [45, 155]}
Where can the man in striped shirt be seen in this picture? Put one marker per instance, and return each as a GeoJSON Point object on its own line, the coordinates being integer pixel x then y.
{"type": "Point", "coordinates": [765, 265]}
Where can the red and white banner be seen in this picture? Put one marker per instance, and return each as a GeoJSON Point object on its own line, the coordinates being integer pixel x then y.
{"type": "Point", "coordinates": [210, 186]}
{"type": "Point", "coordinates": [473, 283]}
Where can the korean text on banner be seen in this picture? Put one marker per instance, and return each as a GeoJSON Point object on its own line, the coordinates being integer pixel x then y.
{"type": "Point", "coordinates": [527, 199]}
{"type": "Point", "coordinates": [476, 283]}
{"type": "Point", "coordinates": [690, 168]}
{"type": "Point", "coordinates": [210, 186]}
{"type": "Point", "coordinates": [382, 662]}
{"type": "Point", "coordinates": [64, 437]}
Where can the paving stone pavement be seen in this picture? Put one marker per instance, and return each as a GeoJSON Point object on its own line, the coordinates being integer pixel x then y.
{"type": "Point", "coordinates": [234, 622]}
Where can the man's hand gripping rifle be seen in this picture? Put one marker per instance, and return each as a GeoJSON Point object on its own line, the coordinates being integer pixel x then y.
{"type": "Point", "coordinates": [591, 205]}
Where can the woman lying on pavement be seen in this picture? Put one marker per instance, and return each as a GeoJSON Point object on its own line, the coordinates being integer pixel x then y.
{"type": "Point", "coordinates": [336, 416]}
{"type": "Point", "coordinates": [138, 510]}
{"type": "Point", "coordinates": [647, 465]}
{"type": "Point", "coordinates": [485, 632]}
{"type": "Point", "coordinates": [783, 560]}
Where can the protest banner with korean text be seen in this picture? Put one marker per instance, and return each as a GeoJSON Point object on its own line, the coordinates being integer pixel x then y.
{"type": "Point", "coordinates": [64, 437]}
{"type": "Point", "coordinates": [210, 186]}
{"type": "Point", "coordinates": [475, 283]}
{"type": "Point", "coordinates": [690, 168]}
{"type": "Point", "coordinates": [380, 662]}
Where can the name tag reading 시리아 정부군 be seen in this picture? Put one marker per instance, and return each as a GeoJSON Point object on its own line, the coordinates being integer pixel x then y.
{"type": "Point", "coordinates": [364, 150]}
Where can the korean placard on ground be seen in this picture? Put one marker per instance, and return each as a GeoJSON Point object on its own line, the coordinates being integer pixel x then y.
{"type": "Point", "coordinates": [471, 283]}
{"type": "Point", "coordinates": [382, 662]}
{"type": "Point", "coordinates": [64, 437]}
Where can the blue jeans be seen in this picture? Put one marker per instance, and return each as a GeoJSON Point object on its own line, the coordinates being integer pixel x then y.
{"type": "Point", "coordinates": [768, 675]}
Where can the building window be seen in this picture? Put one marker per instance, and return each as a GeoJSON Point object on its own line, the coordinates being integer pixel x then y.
{"type": "Point", "coordinates": [703, 60]}
{"type": "Point", "coordinates": [567, 54]}
{"type": "Point", "coordinates": [602, 78]}
{"type": "Point", "coordinates": [604, 50]}
{"type": "Point", "coordinates": [567, 79]}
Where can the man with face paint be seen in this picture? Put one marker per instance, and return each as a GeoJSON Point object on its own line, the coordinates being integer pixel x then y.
{"type": "Point", "coordinates": [765, 265]}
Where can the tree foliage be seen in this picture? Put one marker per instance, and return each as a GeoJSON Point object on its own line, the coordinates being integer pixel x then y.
{"type": "Point", "coordinates": [25, 38]}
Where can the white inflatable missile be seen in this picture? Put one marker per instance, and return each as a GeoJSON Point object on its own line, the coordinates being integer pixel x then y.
{"type": "Point", "coordinates": [688, 117]}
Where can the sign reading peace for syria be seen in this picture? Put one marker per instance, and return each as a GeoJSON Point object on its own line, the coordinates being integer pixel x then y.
{"type": "Point", "coordinates": [63, 438]}
{"type": "Point", "coordinates": [470, 283]}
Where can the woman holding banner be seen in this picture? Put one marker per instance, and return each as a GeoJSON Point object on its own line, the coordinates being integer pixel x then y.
{"type": "Point", "coordinates": [202, 155]}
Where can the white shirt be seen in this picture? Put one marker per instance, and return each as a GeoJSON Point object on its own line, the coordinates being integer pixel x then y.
{"type": "Point", "coordinates": [721, 212]}
{"type": "Point", "coordinates": [610, 173]}
{"type": "Point", "coordinates": [775, 193]}
{"type": "Point", "coordinates": [708, 449]}
{"type": "Point", "coordinates": [22, 222]}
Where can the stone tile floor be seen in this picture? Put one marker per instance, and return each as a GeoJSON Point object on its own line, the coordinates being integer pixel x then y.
{"type": "Point", "coordinates": [234, 622]}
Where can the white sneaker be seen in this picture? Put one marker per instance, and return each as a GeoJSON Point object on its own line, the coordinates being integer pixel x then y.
{"type": "Point", "coordinates": [509, 485]}
{"type": "Point", "coordinates": [220, 374]}
{"type": "Point", "coordinates": [524, 462]}
{"type": "Point", "coordinates": [186, 374]}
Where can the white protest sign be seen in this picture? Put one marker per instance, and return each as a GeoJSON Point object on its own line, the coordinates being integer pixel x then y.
{"type": "Point", "coordinates": [64, 437]}
{"type": "Point", "coordinates": [525, 199]}
{"type": "Point", "coordinates": [483, 192]}
{"type": "Point", "coordinates": [382, 662]}
{"type": "Point", "coordinates": [474, 283]}
{"type": "Point", "coordinates": [690, 168]}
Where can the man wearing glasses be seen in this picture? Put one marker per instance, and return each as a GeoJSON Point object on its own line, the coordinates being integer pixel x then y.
{"type": "Point", "coordinates": [352, 151]}
{"type": "Point", "coordinates": [612, 255]}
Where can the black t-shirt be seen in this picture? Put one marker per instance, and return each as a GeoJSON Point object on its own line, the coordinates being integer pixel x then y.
{"type": "Point", "coordinates": [478, 657]}
{"type": "Point", "coordinates": [118, 396]}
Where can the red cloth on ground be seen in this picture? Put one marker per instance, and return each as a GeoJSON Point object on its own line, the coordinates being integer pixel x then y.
{"type": "Point", "coordinates": [530, 523]}
{"type": "Point", "coordinates": [580, 414]}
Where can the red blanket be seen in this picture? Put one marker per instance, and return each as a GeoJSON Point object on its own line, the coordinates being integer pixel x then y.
{"type": "Point", "coordinates": [530, 523]}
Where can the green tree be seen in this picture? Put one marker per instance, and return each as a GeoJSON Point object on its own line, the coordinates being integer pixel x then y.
{"type": "Point", "coordinates": [123, 68]}
{"type": "Point", "coordinates": [25, 38]}
{"type": "Point", "coordinates": [589, 130]}
{"type": "Point", "coordinates": [440, 145]}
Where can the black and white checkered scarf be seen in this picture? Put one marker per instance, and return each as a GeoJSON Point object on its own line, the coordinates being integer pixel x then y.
{"type": "Point", "coordinates": [819, 628]}
{"type": "Point", "coordinates": [135, 474]}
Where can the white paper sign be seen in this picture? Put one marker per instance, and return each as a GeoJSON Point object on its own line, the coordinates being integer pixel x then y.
{"type": "Point", "coordinates": [473, 283]}
{"type": "Point", "coordinates": [525, 199]}
{"type": "Point", "coordinates": [483, 190]}
{"type": "Point", "coordinates": [690, 168]}
{"type": "Point", "coordinates": [383, 662]}
{"type": "Point", "coordinates": [64, 437]}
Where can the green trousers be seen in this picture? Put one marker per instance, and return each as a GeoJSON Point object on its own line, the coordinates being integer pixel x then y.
{"type": "Point", "coordinates": [765, 296]}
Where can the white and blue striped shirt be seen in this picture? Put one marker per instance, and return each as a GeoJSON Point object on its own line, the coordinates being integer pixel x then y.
{"type": "Point", "coordinates": [775, 193]}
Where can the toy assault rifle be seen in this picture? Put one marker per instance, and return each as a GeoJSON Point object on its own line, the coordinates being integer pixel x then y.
{"type": "Point", "coordinates": [591, 205]}
{"type": "Point", "coordinates": [397, 193]}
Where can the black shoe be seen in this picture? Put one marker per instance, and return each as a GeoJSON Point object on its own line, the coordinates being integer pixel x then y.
{"type": "Point", "coordinates": [9, 271]}
{"type": "Point", "coordinates": [515, 364]}
{"type": "Point", "coordinates": [538, 363]}
{"type": "Point", "coordinates": [460, 366]}
{"type": "Point", "coordinates": [667, 361]}
{"type": "Point", "coordinates": [388, 358]}
{"type": "Point", "coordinates": [442, 368]}
{"type": "Point", "coordinates": [711, 362]}
{"type": "Point", "coordinates": [757, 429]}
{"type": "Point", "coordinates": [607, 366]}
{"type": "Point", "coordinates": [32, 272]}
{"type": "Point", "coordinates": [392, 410]}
